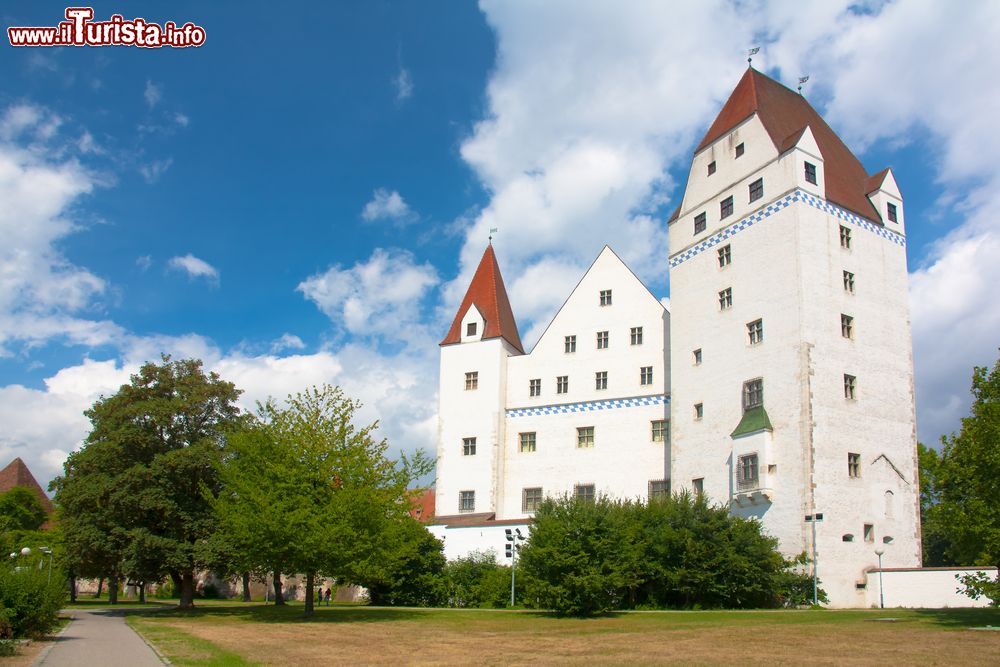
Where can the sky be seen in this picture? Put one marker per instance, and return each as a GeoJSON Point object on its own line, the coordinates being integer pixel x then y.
{"type": "Point", "coordinates": [303, 198]}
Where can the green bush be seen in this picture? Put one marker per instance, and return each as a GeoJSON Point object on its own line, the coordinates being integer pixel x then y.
{"type": "Point", "coordinates": [30, 602]}
{"type": "Point", "coordinates": [477, 581]}
{"type": "Point", "coordinates": [7, 647]}
{"type": "Point", "coordinates": [165, 591]}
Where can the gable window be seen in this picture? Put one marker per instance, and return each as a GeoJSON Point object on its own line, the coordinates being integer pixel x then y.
{"type": "Point", "coordinates": [891, 210]}
{"type": "Point", "coordinates": [562, 384]}
{"type": "Point", "coordinates": [698, 485]}
{"type": "Point", "coordinates": [726, 207]}
{"type": "Point", "coordinates": [700, 222]}
{"type": "Point", "coordinates": [605, 297]}
{"type": "Point", "coordinates": [468, 446]}
{"type": "Point", "coordinates": [646, 375]}
{"type": "Point", "coordinates": [755, 330]}
{"type": "Point", "coordinates": [725, 256]}
{"type": "Point", "coordinates": [584, 492]}
{"type": "Point", "coordinates": [850, 386]}
{"type": "Point", "coordinates": [848, 282]}
{"type": "Point", "coordinates": [660, 431]}
{"type": "Point", "coordinates": [739, 150]}
{"type": "Point", "coordinates": [570, 344]}
{"type": "Point", "coordinates": [601, 380]}
{"type": "Point", "coordinates": [637, 335]}
{"type": "Point", "coordinates": [602, 340]}
{"type": "Point", "coordinates": [531, 499]}
{"type": "Point", "coordinates": [697, 357]}
{"type": "Point", "coordinates": [659, 488]}
{"type": "Point", "coordinates": [466, 501]}
{"type": "Point", "coordinates": [747, 473]}
{"type": "Point", "coordinates": [845, 237]}
{"type": "Point", "coordinates": [527, 441]}
{"type": "Point", "coordinates": [726, 298]}
{"type": "Point", "coordinates": [853, 465]}
{"type": "Point", "coordinates": [699, 410]}
{"type": "Point", "coordinates": [757, 190]}
{"type": "Point", "coordinates": [753, 394]}
{"type": "Point", "coordinates": [535, 387]}
{"type": "Point", "coordinates": [585, 437]}
{"type": "Point", "coordinates": [810, 173]}
{"type": "Point", "coordinates": [472, 380]}
{"type": "Point", "coordinates": [470, 329]}
{"type": "Point", "coordinates": [711, 167]}
{"type": "Point", "coordinates": [846, 326]}
{"type": "Point", "coordinates": [869, 532]}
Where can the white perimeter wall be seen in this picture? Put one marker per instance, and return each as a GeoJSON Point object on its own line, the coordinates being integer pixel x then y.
{"type": "Point", "coordinates": [927, 588]}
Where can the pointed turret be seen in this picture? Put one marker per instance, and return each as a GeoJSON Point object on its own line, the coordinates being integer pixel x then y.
{"type": "Point", "coordinates": [17, 474]}
{"type": "Point", "coordinates": [487, 293]}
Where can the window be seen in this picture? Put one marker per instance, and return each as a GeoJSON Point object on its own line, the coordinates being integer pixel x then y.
{"type": "Point", "coordinates": [535, 387]}
{"type": "Point", "coordinates": [698, 484]}
{"type": "Point", "coordinates": [466, 501]}
{"type": "Point", "coordinates": [848, 282]}
{"type": "Point", "coordinates": [570, 344]}
{"type": "Point", "coordinates": [601, 380]}
{"type": "Point", "coordinates": [527, 441]}
{"type": "Point", "coordinates": [697, 357]}
{"type": "Point", "coordinates": [659, 488]}
{"type": "Point", "coordinates": [725, 256]}
{"type": "Point", "coordinates": [470, 329]}
{"type": "Point", "coordinates": [660, 431]}
{"type": "Point", "coordinates": [602, 340]}
{"type": "Point", "coordinates": [699, 410]}
{"type": "Point", "coordinates": [584, 492]}
{"type": "Point", "coordinates": [755, 330]}
{"type": "Point", "coordinates": [753, 394]}
{"type": "Point", "coordinates": [531, 499]}
{"type": "Point", "coordinates": [869, 532]}
{"type": "Point", "coordinates": [699, 223]}
{"type": "Point", "coordinates": [845, 237]}
{"type": "Point", "coordinates": [850, 386]}
{"type": "Point", "coordinates": [846, 326]}
{"type": "Point", "coordinates": [726, 298]}
{"type": "Point", "coordinates": [757, 190]}
{"type": "Point", "coordinates": [810, 173]}
{"type": "Point", "coordinates": [890, 507]}
{"type": "Point", "coordinates": [711, 167]}
{"type": "Point", "coordinates": [605, 297]}
{"type": "Point", "coordinates": [637, 335]}
{"type": "Point", "coordinates": [739, 150]}
{"type": "Point", "coordinates": [468, 446]}
{"type": "Point", "coordinates": [585, 437]}
{"type": "Point", "coordinates": [747, 473]}
{"type": "Point", "coordinates": [726, 207]}
{"type": "Point", "coordinates": [562, 384]}
{"type": "Point", "coordinates": [646, 375]}
{"type": "Point", "coordinates": [472, 380]}
{"type": "Point", "coordinates": [847, 537]}
{"type": "Point", "coordinates": [891, 210]}
{"type": "Point", "coordinates": [853, 465]}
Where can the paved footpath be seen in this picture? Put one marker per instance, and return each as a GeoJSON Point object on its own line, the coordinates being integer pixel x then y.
{"type": "Point", "coordinates": [99, 638]}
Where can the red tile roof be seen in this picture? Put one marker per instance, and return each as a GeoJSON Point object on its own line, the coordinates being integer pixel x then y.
{"type": "Point", "coordinates": [17, 474]}
{"type": "Point", "coordinates": [489, 295]}
{"type": "Point", "coordinates": [423, 506]}
{"type": "Point", "coordinates": [785, 115]}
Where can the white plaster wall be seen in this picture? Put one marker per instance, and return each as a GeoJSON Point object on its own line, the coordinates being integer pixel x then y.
{"type": "Point", "coordinates": [460, 541]}
{"type": "Point", "coordinates": [930, 588]}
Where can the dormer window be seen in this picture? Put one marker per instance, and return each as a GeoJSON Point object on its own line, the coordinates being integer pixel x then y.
{"type": "Point", "coordinates": [810, 173]}
{"type": "Point", "coordinates": [891, 210]}
{"type": "Point", "coordinates": [739, 150]}
{"type": "Point", "coordinates": [711, 167]}
{"type": "Point", "coordinates": [470, 329]}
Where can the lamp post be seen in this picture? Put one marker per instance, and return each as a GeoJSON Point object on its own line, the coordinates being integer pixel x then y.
{"type": "Point", "coordinates": [881, 592]}
{"type": "Point", "coordinates": [514, 540]}
{"type": "Point", "coordinates": [48, 552]}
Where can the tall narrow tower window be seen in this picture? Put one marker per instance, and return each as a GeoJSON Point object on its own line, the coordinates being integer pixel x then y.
{"type": "Point", "coordinates": [810, 173]}
{"type": "Point", "coordinates": [740, 149]}
{"type": "Point", "coordinates": [725, 256]}
{"type": "Point", "coordinates": [646, 375]}
{"type": "Point", "coordinates": [850, 387]}
{"type": "Point", "coordinates": [755, 331]}
{"type": "Point", "coordinates": [753, 394]}
{"type": "Point", "coordinates": [562, 384]}
{"type": "Point", "coordinates": [726, 207]}
{"type": "Point", "coordinates": [726, 298]}
{"type": "Point", "coordinates": [891, 210]}
{"type": "Point", "coordinates": [845, 238]}
{"type": "Point", "coordinates": [757, 190]}
{"type": "Point", "coordinates": [848, 282]}
{"type": "Point", "coordinates": [711, 167]}
{"type": "Point", "coordinates": [699, 223]}
{"type": "Point", "coordinates": [853, 465]}
{"type": "Point", "coordinates": [846, 326]}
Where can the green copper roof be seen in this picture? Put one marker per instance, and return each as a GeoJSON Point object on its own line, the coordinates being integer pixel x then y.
{"type": "Point", "coordinates": [754, 419]}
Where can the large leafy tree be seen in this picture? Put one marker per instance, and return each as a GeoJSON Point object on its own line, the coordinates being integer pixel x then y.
{"type": "Point", "coordinates": [20, 509]}
{"type": "Point", "coordinates": [307, 490]}
{"type": "Point", "coordinates": [131, 500]}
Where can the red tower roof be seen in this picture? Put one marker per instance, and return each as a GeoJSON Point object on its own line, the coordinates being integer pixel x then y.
{"type": "Point", "coordinates": [785, 114]}
{"type": "Point", "coordinates": [17, 474]}
{"type": "Point", "coordinates": [487, 293]}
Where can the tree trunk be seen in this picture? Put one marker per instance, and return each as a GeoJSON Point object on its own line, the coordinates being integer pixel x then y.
{"type": "Point", "coordinates": [112, 589]}
{"type": "Point", "coordinates": [100, 587]}
{"type": "Point", "coordinates": [310, 594]}
{"type": "Point", "coordinates": [276, 580]}
{"type": "Point", "coordinates": [175, 579]}
{"type": "Point", "coordinates": [72, 588]}
{"type": "Point", "coordinates": [246, 587]}
{"type": "Point", "coordinates": [142, 592]}
{"type": "Point", "coordinates": [187, 591]}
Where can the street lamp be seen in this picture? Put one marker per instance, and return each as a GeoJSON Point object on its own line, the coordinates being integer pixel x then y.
{"type": "Point", "coordinates": [48, 552]}
{"type": "Point", "coordinates": [881, 592]}
{"type": "Point", "coordinates": [514, 540]}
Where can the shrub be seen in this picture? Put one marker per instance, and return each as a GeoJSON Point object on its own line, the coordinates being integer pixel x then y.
{"type": "Point", "coordinates": [30, 602]}
{"type": "Point", "coordinates": [477, 580]}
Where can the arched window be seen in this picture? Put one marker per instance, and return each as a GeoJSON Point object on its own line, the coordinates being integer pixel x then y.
{"type": "Point", "coordinates": [890, 504]}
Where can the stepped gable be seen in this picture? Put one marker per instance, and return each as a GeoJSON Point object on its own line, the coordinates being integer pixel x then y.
{"type": "Point", "coordinates": [17, 474]}
{"type": "Point", "coordinates": [785, 115]}
{"type": "Point", "coordinates": [487, 293]}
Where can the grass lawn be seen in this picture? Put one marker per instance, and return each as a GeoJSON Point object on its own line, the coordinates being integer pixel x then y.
{"type": "Point", "coordinates": [240, 634]}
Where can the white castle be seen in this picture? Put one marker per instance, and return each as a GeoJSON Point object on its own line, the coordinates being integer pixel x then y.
{"type": "Point", "coordinates": [780, 383]}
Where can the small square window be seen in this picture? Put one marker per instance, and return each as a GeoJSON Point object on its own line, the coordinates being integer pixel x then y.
{"type": "Point", "coordinates": [585, 437]}
{"type": "Point", "coordinates": [850, 387]}
{"type": "Point", "coordinates": [466, 501]}
{"type": "Point", "coordinates": [562, 384]}
{"type": "Point", "coordinates": [699, 410]}
{"type": "Point", "coordinates": [601, 380]}
{"type": "Point", "coordinates": [755, 330]}
{"type": "Point", "coordinates": [757, 190]}
{"type": "Point", "coordinates": [531, 499]}
{"type": "Point", "coordinates": [753, 394]}
{"type": "Point", "coordinates": [535, 387]}
{"type": "Point", "coordinates": [698, 485]}
{"type": "Point", "coordinates": [659, 488]}
{"type": "Point", "coordinates": [660, 430]}
{"type": "Point", "coordinates": [646, 375]}
{"type": "Point", "coordinates": [725, 256]}
{"type": "Point", "coordinates": [848, 282]}
{"type": "Point", "coordinates": [605, 297]}
{"type": "Point", "coordinates": [711, 167]}
{"type": "Point", "coordinates": [637, 335]}
{"type": "Point", "coordinates": [810, 173]}
{"type": "Point", "coordinates": [747, 473]}
{"type": "Point", "coordinates": [726, 207]}
{"type": "Point", "coordinates": [846, 326]}
{"type": "Point", "coordinates": [845, 237]}
{"type": "Point", "coordinates": [726, 298]}
{"type": "Point", "coordinates": [739, 150]}
{"type": "Point", "coordinates": [854, 465]}
{"type": "Point", "coordinates": [602, 340]}
{"type": "Point", "coordinates": [891, 210]}
{"type": "Point", "coordinates": [584, 492]}
{"type": "Point", "coordinates": [470, 329]}
{"type": "Point", "coordinates": [570, 344]}
{"type": "Point", "coordinates": [697, 357]}
{"type": "Point", "coordinates": [869, 532]}
{"type": "Point", "coordinates": [472, 380]}
{"type": "Point", "coordinates": [700, 223]}
{"type": "Point", "coordinates": [468, 446]}
{"type": "Point", "coordinates": [527, 441]}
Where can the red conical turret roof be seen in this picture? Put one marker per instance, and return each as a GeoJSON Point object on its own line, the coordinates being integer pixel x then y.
{"type": "Point", "coordinates": [17, 474]}
{"type": "Point", "coordinates": [487, 293]}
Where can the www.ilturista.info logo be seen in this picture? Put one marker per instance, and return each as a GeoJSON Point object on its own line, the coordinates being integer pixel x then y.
{"type": "Point", "coordinates": [81, 30]}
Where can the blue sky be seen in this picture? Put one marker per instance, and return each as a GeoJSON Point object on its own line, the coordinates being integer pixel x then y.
{"type": "Point", "coordinates": [303, 198]}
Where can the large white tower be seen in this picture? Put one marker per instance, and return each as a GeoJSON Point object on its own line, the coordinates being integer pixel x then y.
{"type": "Point", "coordinates": [791, 356]}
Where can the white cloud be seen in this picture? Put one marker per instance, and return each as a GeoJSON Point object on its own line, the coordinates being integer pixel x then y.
{"type": "Point", "coordinates": [181, 119]}
{"type": "Point", "coordinates": [194, 267]}
{"type": "Point", "coordinates": [144, 262]}
{"type": "Point", "coordinates": [403, 84]}
{"type": "Point", "coordinates": [287, 341]}
{"type": "Point", "coordinates": [386, 205]}
{"type": "Point", "coordinates": [151, 172]}
{"type": "Point", "coordinates": [153, 94]}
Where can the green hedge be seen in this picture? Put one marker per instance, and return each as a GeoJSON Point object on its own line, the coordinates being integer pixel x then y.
{"type": "Point", "coordinates": [29, 604]}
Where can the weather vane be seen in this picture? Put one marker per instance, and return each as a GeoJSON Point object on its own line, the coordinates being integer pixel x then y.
{"type": "Point", "coordinates": [751, 53]}
{"type": "Point", "coordinates": [493, 230]}
{"type": "Point", "coordinates": [802, 80]}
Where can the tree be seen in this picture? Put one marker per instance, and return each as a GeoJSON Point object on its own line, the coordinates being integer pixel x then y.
{"type": "Point", "coordinates": [306, 490]}
{"type": "Point", "coordinates": [477, 580]}
{"type": "Point", "coordinates": [131, 498]}
{"type": "Point", "coordinates": [933, 532]}
{"type": "Point", "coordinates": [20, 509]}
{"type": "Point", "coordinates": [409, 572]}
